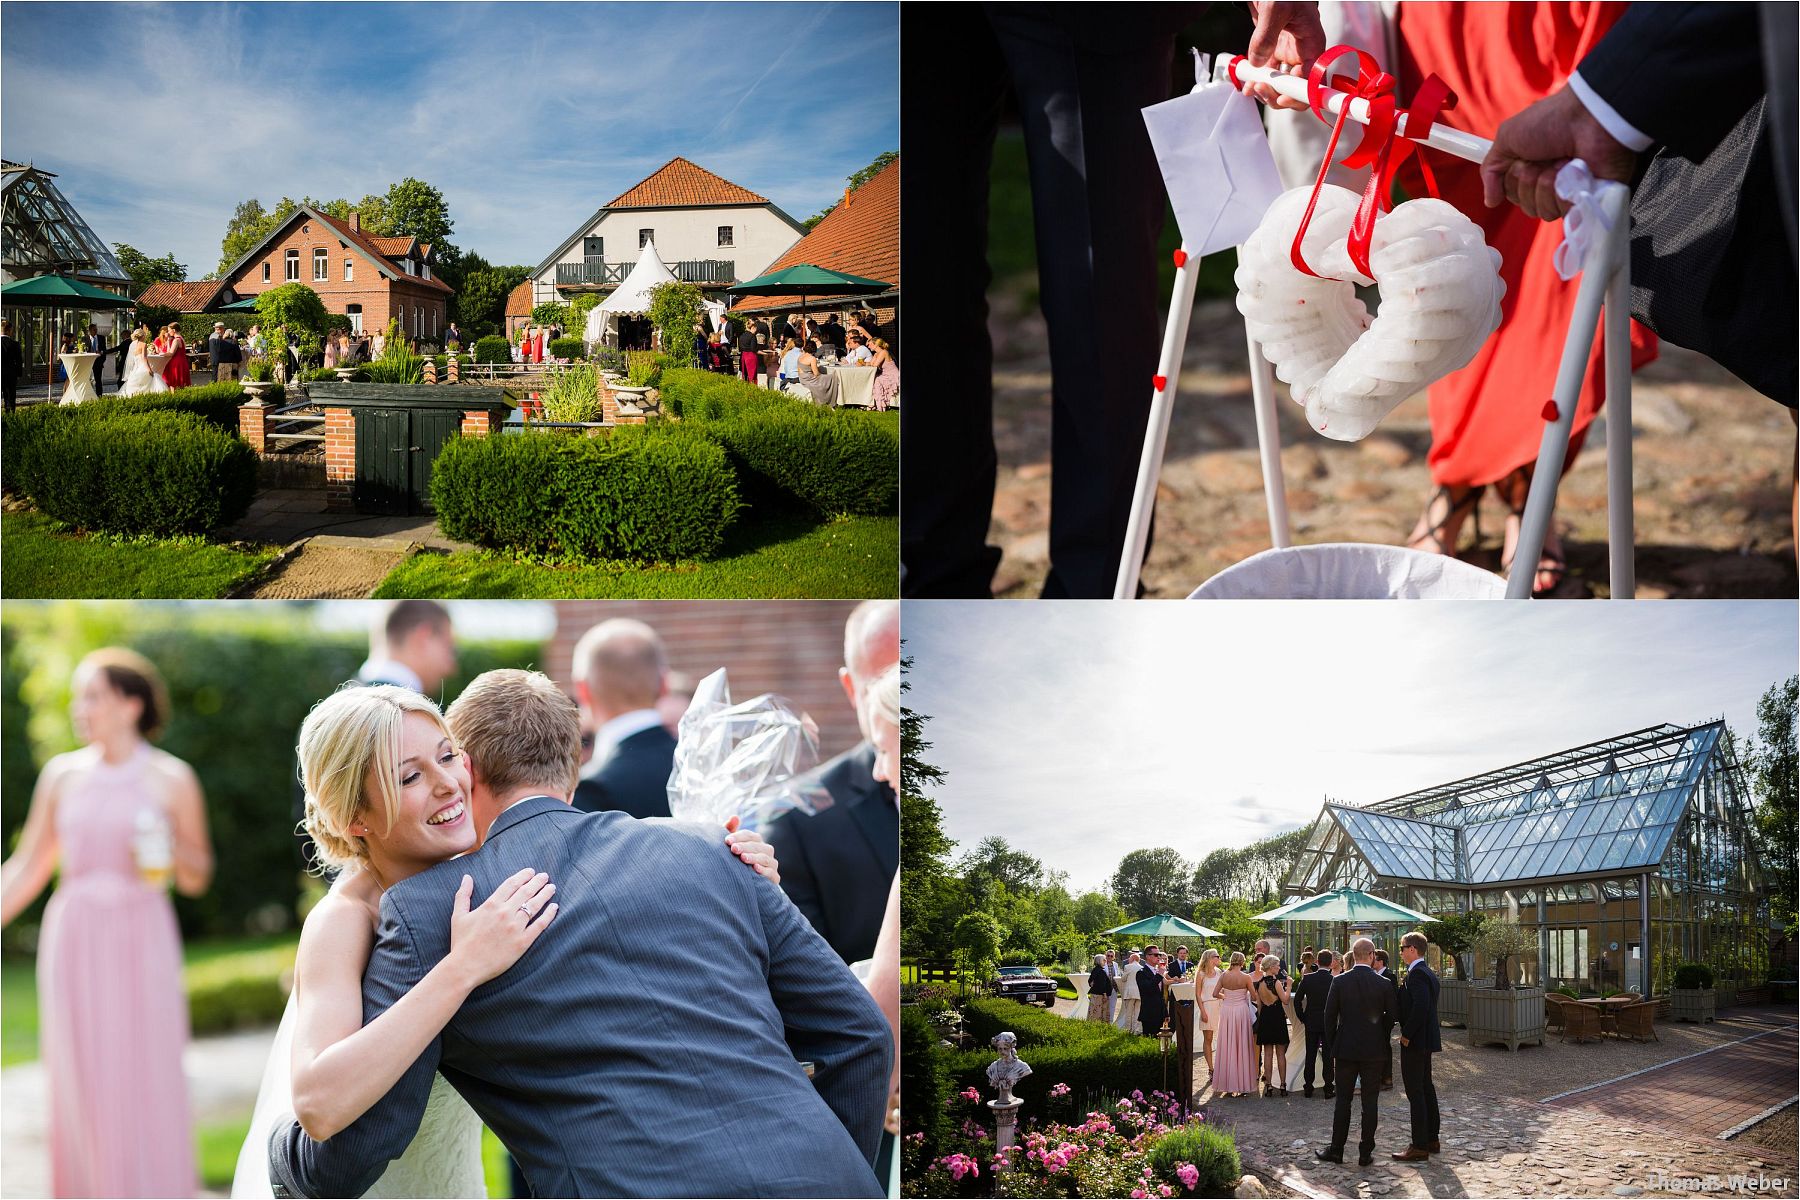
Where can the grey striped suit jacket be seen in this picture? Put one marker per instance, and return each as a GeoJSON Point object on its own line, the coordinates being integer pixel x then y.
{"type": "Point", "coordinates": [598, 1089]}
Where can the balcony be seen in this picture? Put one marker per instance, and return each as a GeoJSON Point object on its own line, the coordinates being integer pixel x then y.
{"type": "Point", "coordinates": [598, 273]}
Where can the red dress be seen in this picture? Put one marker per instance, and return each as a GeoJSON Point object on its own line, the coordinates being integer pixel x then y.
{"type": "Point", "coordinates": [176, 374]}
{"type": "Point", "coordinates": [1486, 419]}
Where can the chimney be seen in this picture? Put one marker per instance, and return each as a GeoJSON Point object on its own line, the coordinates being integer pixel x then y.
{"type": "Point", "coordinates": [356, 221]}
{"type": "Point", "coordinates": [846, 197]}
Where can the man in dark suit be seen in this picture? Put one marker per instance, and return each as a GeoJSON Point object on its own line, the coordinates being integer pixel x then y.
{"type": "Point", "coordinates": [12, 365]}
{"type": "Point", "coordinates": [1419, 1040]}
{"type": "Point", "coordinates": [620, 672]}
{"type": "Point", "coordinates": [1151, 1007]}
{"type": "Point", "coordinates": [1309, 1006]}
{"type": "Point", "coordinates": [1359, 1016]}
{"type": "Point", "coordinates": [1386, 972]}
{"type": "Point", "coordinates": [593, 1099]}
{"type": "Point", "coordinates": [93, 343]}
{"type": "Point", "coordinates": [1695, 103]}
{"type": "Point", "coordinates": [838, 863]}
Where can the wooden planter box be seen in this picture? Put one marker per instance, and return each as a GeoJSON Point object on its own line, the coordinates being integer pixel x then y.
{"type": "Point", "coordinates": [1511, 1018]}
{"type": "Point", "coordinates": [1692, 1004]}
{"type": "Point", "coordinates": [1453, 1002]}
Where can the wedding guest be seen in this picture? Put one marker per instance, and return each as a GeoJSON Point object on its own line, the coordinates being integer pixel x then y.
{"type": "Point", "coordinates": [1209, 973]}
{"type": "Point", "coordinates": [1100, 987]}
{"type": "Point", "coordinates": [1262, 950]}
{"type": "Point", "coordinates": [1271, 995]}
{"type": "Point", "coordinates": [1309, 1006]}
{"type": "Point", "coordinates": [834, 333]}
{"type": "Point", "coordinates": [93, 343]}
{"type": "Point", "coordinates": [1234, 1049]}
{"type": "Point", "coordinates": [1419, 1040]}
{"type": "Point", "coordinates": [64, 345]}
{"type": "Point", "coordinates": [887, 376]}
{"type": "Point", "coordinates": [836, 863]}
{"type": "Point", "coordinates": [12, 365]}
{"type": "Point", "coordinates": [215, 352]}
{"type": "Point", "coordinates": [177, 374]}
{"type": "Point", "coordinates": [1128, 992]}
{"type": "Point", "coordinates": [1359, 1013]}
{"type": "Point", "coordinates": [412, 645]}
{"type": "Point", "coordinates": [677, 695]}
{"type": "Point", "coordinates": [331, 351]}
{"type": "Point", "coordinates": [1152, 1010]}
{"type": "Point", "coordinates": [746, 347]}
{"type": "Point", "coordinates": [121, 820]}
{"type": "Point", "coordinates": [814, 382]}
{"type": "Point", "coordinates": [1382, 969]}
{"type": "Point", "coordinates": [452, 338]}
{"type": "Point", "coordinates": [620, 670]}
{"type": "Point", "coordinates": [858, 355]}
{"type": "Point", "coordinates": [790, 361]}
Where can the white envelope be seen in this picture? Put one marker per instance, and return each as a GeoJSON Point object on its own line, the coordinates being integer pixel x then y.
{"type": "Point", "coordinates": [1216, 163]}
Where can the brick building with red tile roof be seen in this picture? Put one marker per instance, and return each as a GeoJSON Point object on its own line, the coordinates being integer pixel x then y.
{"type": "Point", "coordinates": [197, 296]}
{"type": "Point", "coordinates": [518, 309]}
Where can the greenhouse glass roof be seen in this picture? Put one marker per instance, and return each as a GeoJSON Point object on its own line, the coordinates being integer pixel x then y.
{"type": "Point", "coordinates": [1608, 806]}
{"type": "Point", "coordinates": [43, 233]}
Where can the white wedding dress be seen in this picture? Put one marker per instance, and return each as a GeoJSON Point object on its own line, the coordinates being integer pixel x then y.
{"type": "Point", "coordinates": [139, 379]}
{"type": "Point", "coordinates": [444, 1158]}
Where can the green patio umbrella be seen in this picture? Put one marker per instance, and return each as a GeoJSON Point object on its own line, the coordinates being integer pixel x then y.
{"type": "Point", "coordinates": [62, 294]}
{"type": "Point", "coordinates": [1164, 926]}
{"type": "Point", "coordinates": [806, 279]}
{"type": "Point", "coordinates": [1346, 907]}
{"type": "Point", "coordinates": [247, 304]}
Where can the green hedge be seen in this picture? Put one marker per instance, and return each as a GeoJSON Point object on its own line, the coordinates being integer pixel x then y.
{"type": "Point", "coordinates": [649, 493]}
{"type": "Point", "coordinates": [197, 327]}
{"type": "Point", "coordinates": [215, 403]}
{"type": "Point", "coordinates": [1034, 1026]}
{"type": "Point", "coordinates": [833, 462]}
{"type": "Point", "coordinates": [1100, 1063]}
{"type": "Point", "coordinates": [129, 472]}
{"type": "Point", "coordinates": [493, 349]}
{"type": "Point", "coordinates": [567, 347]}
{"type": "Point", "coordinates": [924, 1086]}
{"type": "Point", "coordinates": [240, 684]}
{"type": "Point", "coordinates": [1212, 1151]}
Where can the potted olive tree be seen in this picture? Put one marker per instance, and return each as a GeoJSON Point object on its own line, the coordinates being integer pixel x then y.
{"type": "Point", "coordinates": [1455, 936]}
{"type": "Point", "coordinates": [1505, 1013]}
{"type": "Point", "coordinates": [1692, 998]}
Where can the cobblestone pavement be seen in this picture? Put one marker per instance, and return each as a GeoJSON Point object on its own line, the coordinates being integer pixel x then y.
{"type": "Point", "coordinates": [330, 567]}
{"type": "Point", "coordinates": [1713, 472]}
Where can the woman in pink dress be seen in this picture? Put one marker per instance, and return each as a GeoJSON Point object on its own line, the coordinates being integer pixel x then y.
{"type": "Point", "coordinates": [121, 819]}
{"type": "Point", "coordinates": [1234, 1049]}
{"type": "Point", "coordinates": [887, 376]}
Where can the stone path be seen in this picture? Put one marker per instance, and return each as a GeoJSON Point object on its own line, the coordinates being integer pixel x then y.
{"type": "Point", "coordinates": [281, 516]}
{"type": "Point", "coordinates": [1703, 1096]}
{"type": "Point", "coordinates": [333, 567]}
{"type": "Point", "coordinates": [1714, 465]}
{"type": "Point", "coordinates": [223, 1075]}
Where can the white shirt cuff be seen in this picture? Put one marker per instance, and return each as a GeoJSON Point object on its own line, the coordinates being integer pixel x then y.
{"type": "Point", "coordinates": [1622, 131]}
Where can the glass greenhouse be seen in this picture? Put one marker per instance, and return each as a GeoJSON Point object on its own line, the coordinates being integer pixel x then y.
{"type": "Point", "coordinates": [1627, 856]}
{"type": "Point", "coordinates": [44, 235]}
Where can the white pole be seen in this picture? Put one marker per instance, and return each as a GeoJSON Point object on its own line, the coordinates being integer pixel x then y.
{"type": "Point", "coordinates": [1553, 450]}
{"type": "Point", "coordinates": [1621, 536]}
{"type": "Point", "coordinates": [1268, 443]}
{"type": "Point", "coordinates": [1156, 432]}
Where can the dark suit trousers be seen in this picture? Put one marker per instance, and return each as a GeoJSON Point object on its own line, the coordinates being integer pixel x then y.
{"type": "Point", "coordinates": [1421, 1095]}
{"type": "Point", "coordinates": [1316, 1047]}
{"type": "Point", "coordinates": [1350, 1072]}
{"type": "Point", "coordinates": [1097, 203]}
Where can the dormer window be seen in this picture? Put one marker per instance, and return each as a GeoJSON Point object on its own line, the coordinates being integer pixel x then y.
{"type": "Point", "coordinates": [425, 269]}
{"type": "Point", "coordinates": [409, 265]}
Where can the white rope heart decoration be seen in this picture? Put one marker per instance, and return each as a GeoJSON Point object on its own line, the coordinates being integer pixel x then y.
{"type": "Point", "coordinates": [1440, 299]}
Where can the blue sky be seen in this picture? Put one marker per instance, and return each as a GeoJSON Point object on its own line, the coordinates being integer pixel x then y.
{"type": "Point", "coordinates": [1081, 730]}
{"type": "Point", "coordinates": [527, 116]}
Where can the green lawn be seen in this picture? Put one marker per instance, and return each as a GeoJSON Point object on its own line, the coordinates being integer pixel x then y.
{"type": "Point", "coordinates": [45, 562]}
{"type": "Point", "coordinates": [218, 1152]}
{"type": "Point", "coordinates": [778, 556]}
{"type": "Point", "coordinates": [18, 1011]}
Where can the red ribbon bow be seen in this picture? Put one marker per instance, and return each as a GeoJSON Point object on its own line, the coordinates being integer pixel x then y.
{"type": "Point", "coordinates": [1378, 147]}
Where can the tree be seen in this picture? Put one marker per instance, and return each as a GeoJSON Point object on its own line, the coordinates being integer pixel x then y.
{"type": "Point", "coordinates": [416, 209]}
{"type": "Point", "coordinates": [1773, 775]}
{"type": "Point", "coordinates": [551, 312]}
{"type": "Point", "coordinates": [249, 224]}
{"type": "Point", "coordinates": [856, 179]}
{"type": "Point", "coordinates": [1503, 941]}
{"type": "Point", "coordinates": [1253, 873]}
{"type": "Point", "coordinates": [1152, 881]}
{"type": "Point", "coordinates": [993, 859]}
{"type": "Point", "coordinates": [928, 893]}
{"type": "Point", "coordinates": [977, 938]}
{"type": "Point", "coordinates": [1456, 934]}
{"type": "Point", "coordinates": [674, 308]}
{"type": "Point", "coordinates": [1095, 911]}
{"type": "Point", "coordinates": [1232, 917]}
{"type": "Point", "coordinates": [145, 270]}
{"type": "Point", "coordinates": [481, 302]}
{"type": "Point", "coordinates": [292, 313]}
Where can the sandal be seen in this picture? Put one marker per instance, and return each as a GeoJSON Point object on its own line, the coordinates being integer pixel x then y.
{"type": "Point", "coordinates": [1441, 536]}
{"type": "Point", "coordinates": [1553, 564]}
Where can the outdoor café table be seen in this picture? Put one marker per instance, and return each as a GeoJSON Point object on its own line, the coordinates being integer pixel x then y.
{"type": "Point", "coordinates": [80, 370]}
{"type": "Point", "coordinates": [856, 386]}
{"type": "Point", "coordinates": [1609, 1007]}
{"type": "Point", "coordinates": [157, 361]}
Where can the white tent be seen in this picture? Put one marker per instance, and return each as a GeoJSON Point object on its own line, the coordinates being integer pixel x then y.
{"type": "Point", "coordinates": [632, 298]}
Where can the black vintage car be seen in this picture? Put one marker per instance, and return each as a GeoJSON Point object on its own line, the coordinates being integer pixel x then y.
{"type": "Point", "coordinates": [1025, 984]}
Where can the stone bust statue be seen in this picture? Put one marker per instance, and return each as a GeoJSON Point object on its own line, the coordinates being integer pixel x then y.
{"type": "Point", "coordinates": [1006, 1071]}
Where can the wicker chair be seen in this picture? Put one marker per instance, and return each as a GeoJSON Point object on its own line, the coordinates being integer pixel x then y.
{"type": "Point", "coordinates": [1580, 1021]}
{"type": "Point", "coordinates": [1553, 1010]}
{"type": "Point", "coordinates": [1636, 1021]}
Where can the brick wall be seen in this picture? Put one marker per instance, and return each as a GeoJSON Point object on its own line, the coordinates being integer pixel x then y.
{"type": "Point", "coordinates": [790, 647]}
{"type": "Point", "coordinates": [250, 426]}
{"type": "Point", "coordinates": [378, 296]}
{"type": "Point", "coordinates": [340, 456]}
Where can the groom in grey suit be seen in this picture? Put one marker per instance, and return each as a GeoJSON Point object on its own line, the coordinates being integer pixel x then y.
{"type": "Point", "coordinates": [595, 1091]}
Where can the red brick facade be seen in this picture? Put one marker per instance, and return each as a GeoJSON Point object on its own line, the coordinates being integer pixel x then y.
{"type": "Point", "coordinates": [377, 297]}
{"type": "Point", "coordinates": [340, 456]}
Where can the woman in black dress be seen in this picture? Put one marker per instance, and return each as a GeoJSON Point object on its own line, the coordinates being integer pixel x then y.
{"type": "Point", "coordinates": [1271, 993]}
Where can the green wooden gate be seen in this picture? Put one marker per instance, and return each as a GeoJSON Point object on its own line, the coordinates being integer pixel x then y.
{"type": "Point", "coordinates": [400, 428]}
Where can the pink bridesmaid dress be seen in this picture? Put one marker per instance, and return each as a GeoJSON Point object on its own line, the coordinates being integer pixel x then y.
{"type": "Point", "coordinates": [1234, 1048]}
{"type": "Point", "coordinates": [112, 1010]}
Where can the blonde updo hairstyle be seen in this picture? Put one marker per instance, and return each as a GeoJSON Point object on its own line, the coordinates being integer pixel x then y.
{"type": "Point", "coordinates": [347, 735]}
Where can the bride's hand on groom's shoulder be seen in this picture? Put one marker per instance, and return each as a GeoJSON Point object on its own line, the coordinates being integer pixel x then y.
{"type": "Point", "coordinates": [490, 937]}
{"type": "Point", "coordinates": [756, 853]}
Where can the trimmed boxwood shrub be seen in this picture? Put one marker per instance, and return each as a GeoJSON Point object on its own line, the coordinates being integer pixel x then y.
{"type": "Point", "coordinates": [159, 473]}
{"type": "Point", "coordinates": [923, 1084]}
{"type": "Point", "coordinates": [1097, 1072]}
{"type": "Point", "coordinates": [197, 327]}
{"type": "Point", "coordinates": [988, 1015]}
{"type": "Point", "coordinates": [1212, 1151]}
{"type": "Point", "coordinates": [649, 493]}
{"type": "Point", "coordinates": [567, 347]}
{"type": "Point", "coordinates": [1693, 975]}
{"type": "Point", "coordinates": [493, 349]}
{"type": "Point", "coordinates": [215, 403]}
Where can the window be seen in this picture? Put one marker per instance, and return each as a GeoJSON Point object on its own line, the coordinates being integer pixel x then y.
{"type": "Point", "coordinates": [354, 312]}
{"type": "Point", "coordinates": [349, 272]}
{"type": "Point", "coordinates": [265, 272]}
{"type": "Point", "coordinates": [724, 235]}
{"type": "Point", "coordinates": [293, 266]}
{"type": "Point", "coordinates": [645, 237]}
{"type": "Point", "coordinates": [434, 321]}
{"type": "Point", "coordinates": [409, 265]}
{"type": "Point", "coordinates": [593, 247]}
{"type": "Point", "coordinates": [425, 269]}
{"type": "Point", "coordinates": [321, 265]}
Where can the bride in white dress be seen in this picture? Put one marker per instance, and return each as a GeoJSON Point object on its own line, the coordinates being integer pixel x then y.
{"type": "Point", "coordinates": [377, 817]}
{"type": "Point", "coordinates": [139, 379]}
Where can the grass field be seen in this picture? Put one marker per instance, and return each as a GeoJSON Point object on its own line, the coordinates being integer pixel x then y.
{"type": "Point", "coordinates": [45, 562]}
{"type": "Point", "coordinates": [781, 556]}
